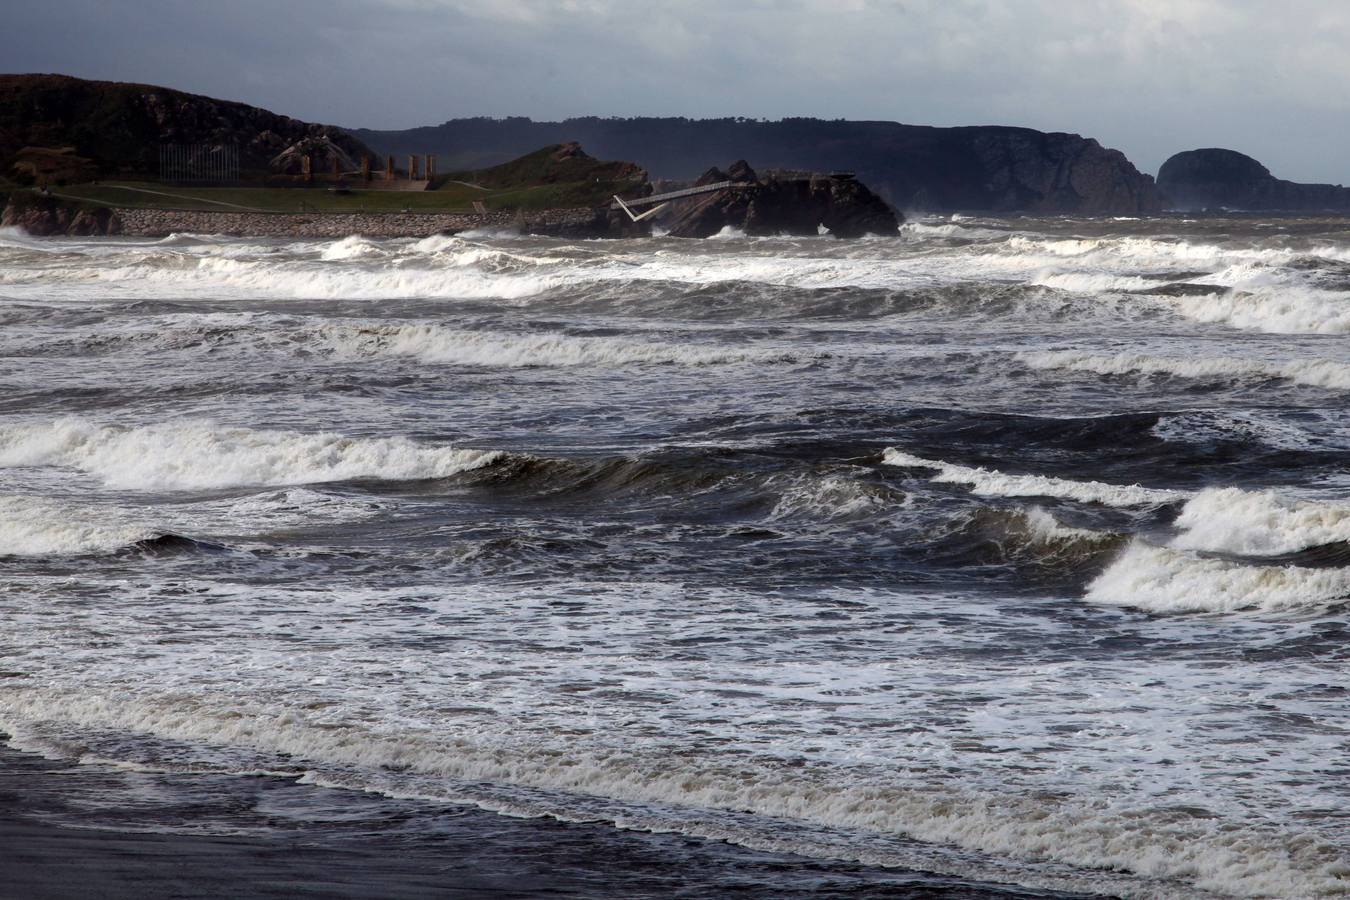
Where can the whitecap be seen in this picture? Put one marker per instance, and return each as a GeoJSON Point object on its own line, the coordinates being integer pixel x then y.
{"type": "Point", "coordinates": [1163, 580]}
{"type": "Point", "coordinates": [993, 483]}
{"type": "Point", "coordinates": [201, 455]}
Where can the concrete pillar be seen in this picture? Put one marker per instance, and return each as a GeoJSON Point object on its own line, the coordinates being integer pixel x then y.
{"type": "Point", "coordinates": [431, 166]}
{"type": "Point", "coordinates": [337, 169]}
{"type": "Point", "coordinates": [412, 166]}
{"type": "Point", "coordinates": [389, 168]}
{"type": "Point", "coordinates": [306, 167]}
{"type": "Point", "coordinates": [365, 168]}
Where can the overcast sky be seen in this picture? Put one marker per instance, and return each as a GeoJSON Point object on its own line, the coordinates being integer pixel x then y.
{"type": "Point", "coordinates": [1150, 77]}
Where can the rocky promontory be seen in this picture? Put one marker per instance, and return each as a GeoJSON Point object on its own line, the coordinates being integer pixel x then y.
{"type": "Point", "coordinates": [782, 203]}
{"type": "Point", "coordinates": [980, 168]}
{"type": "Point", "coordinates": [1215, 178]}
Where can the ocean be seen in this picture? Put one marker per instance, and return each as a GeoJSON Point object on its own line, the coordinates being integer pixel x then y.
{"type": "Point", "coordinates": [1012, 551]}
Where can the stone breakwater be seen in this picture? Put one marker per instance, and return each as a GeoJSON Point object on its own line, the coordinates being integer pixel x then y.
{"type": "Point", "coordinates": [162, 222]}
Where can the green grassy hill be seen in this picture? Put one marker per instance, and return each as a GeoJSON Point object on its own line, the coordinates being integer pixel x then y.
{"type": "Point", "coordinates": [560, 175]}
{"type": "Point", "coordinates": [555, 177]}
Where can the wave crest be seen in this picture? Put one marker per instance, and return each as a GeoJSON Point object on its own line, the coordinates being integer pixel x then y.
{"type": "Point", "coordinates": [204, 455]}
{"type": "Point", "coordinates": [993, 483]}
{"type": "Point", "coordinates": [1162, 580]}
{"type": "Point", "coordinates": [1324, 373]}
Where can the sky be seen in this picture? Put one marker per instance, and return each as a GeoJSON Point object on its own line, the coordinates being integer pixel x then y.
{"type": "Point", "coordinates": [1270, 78]}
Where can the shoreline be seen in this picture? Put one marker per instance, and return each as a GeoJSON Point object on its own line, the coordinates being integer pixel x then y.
{"type": "Point", "coordinates": [163, 222]}
{"type": "Point", "coordinates": [142, 836]}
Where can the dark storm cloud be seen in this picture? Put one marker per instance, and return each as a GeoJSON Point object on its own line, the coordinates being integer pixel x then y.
{"type": "Point", "coordinates": [1149, 77]}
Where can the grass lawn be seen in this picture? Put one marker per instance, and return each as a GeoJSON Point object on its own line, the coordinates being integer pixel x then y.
{"type": "Point", "coordinates": [154, 195]}
{"type": "Point", "coordinates": [449, 197]}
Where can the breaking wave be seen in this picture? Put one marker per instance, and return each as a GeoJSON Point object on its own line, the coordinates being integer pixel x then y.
{"type": "Point", "coordinates": [202, 455]}
{"type": "Point", "coordinates": [1245, 861]}
{"type": "Point", "coordinates": [435, 344]}
{"type": "Point", "coordinates": [992, 483]}
{"type": "Point", "coordinates": [1313, 372]}
{"type": "Point", "coordinates": [1163, 580]}
{"type": "Point", "coordinates": [1259, 523]}
{"type": "Point", "coordinates": [32, 526]}
{"type": "Point", "coordinates": [424, 341]}
{"type": "Point", "coordinates": [1276, 310]}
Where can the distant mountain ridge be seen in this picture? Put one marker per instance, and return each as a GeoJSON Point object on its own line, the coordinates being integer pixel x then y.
{"type": "Point", "coordinates": [915, 167]}
{"type": "Point", "coordinates": [117, 127]}
{"type": "Point", "coordinates": [1213, 178]}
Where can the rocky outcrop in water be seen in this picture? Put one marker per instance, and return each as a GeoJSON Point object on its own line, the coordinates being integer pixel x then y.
{"type": "Point", "coordinates": [45, 216]}
{"type": "Point", "coordinates": [1215, 178]}
{"type": "Point", "coordinates": [782, 203]}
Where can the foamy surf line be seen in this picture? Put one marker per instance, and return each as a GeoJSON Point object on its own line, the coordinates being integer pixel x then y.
{"type": "Point", "coordinates": [992, 483]}
{"type": "Point", "coordinates": [204, 455]}
{"type": "Point", "coordinates": [426, 342]}
{"type": "Point", "coordinates": [1286, 309]}
{"type": "Point", "coordinates": [1323, 373]}
{"type": "Point", "coordinates": [446, 346]}
{"type": "Point", "coordinates": [37, 526]}
{"type": "Point", "coordinates": [1156, 847]}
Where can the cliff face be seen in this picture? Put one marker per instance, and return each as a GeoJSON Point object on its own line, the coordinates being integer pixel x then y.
{"type": "Point", "coordinates": [1060, 173]}
{"type": "Point", "coordinates": [119, 127]}
{"type": "Point", "coordinates": [974, 169]}
{"type": "Point", "coordinates": [1214, 178]}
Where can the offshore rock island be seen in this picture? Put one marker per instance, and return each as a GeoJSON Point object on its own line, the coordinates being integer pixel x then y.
{"type": "Point", "coordinates": [1215, 178]}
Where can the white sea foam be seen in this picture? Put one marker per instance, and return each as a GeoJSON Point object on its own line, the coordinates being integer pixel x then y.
{"type": "Point", "coordinates": [951, 229]}
{"type": "Point", "coordinates": [304, 281]}
{"type": "Point", "coordinates": [1259, 523]}
{"type": "Point", "coordinates": [1160, 252]}
{"type": "Point", "coordinates": [1046, 529]}
{"type": "Point", "coordinates": [992, 483]}
{"type": "Point", "coordinates": [829, 498]}
{"type": "Point", "coordinates": [435, 344]}
{"type": "Point", "coordinates": [1243, 860]}
{"type": "Point", "coordinates": [198, 455]}
{"type": "Point", "coordinates": [1163, 580]}
{"type": "Point", "coordinates": [1314, 372]}
{"type": "Point", "coordinates": [35, 526]}
{"type": "Point", "coordinates": [295, 507]}
{"type": "Point", "coordinates": [1291, 309]}
{"type": "Point", "coordinates": [14, 235]}
{"type": "Point", "coordinates": [352, 247]}
{"type": "Point", "coordinates": [1090, 282]}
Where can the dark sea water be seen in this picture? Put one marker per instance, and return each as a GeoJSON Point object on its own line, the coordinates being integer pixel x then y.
{"type": "Point", "coordinates": [1015, 551]}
